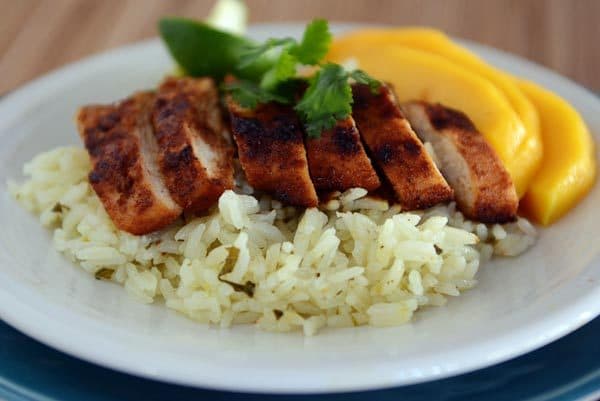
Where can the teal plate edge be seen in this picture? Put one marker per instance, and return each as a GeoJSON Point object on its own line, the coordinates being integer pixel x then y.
{"type": "Point", "coordinates": [567, 369]}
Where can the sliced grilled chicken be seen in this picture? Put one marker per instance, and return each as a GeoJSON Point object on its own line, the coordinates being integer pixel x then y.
{"type": "Point", "coordinates": [125, 173]}
{"type": "Point", "coordinates": [484, 190]}
{"type": "Point", "coordinates": [194, 158]}
{"type": "Point", "coordinates": [397, 150]}
{"type": "Point", "coordinates": [338, 161]}
{"type": "Point", "coordinates": [271, 150]}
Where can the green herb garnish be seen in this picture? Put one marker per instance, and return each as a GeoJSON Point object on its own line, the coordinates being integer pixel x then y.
{"type": "Point", "coordinates": [247, 288]}
{"type": "Point", "coordinates": [309, 51]}
{"type": "Point", "coordinates": [200, 50]}
{"type": "Point", "coordinates": [287, 54]}
{"type": "Point", "coordinates": [252, 53]}
{"type": "Point", "coordinates": [314, 44]}
{"type": "Point", "coordinates": [249, 94]}
{"type": "Point", "coordinates": [268, 71]}
{"type": "Point", "coordinates": [363, 78]}
{"type": "Point", "coordinates": [327, 99]}
{"type": "Point", "coordinates": [104, 274]}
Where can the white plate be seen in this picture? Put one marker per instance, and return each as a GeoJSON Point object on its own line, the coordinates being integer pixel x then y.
{"type": "Point", "coordinates": [519, 304]}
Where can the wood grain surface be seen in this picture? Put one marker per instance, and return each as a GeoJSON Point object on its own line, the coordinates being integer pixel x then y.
{"type": "Point", "coordinates": [39, 35]}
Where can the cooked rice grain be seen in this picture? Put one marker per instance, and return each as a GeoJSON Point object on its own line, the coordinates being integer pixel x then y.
{"type": "Point", "coordinates": [250, 260]}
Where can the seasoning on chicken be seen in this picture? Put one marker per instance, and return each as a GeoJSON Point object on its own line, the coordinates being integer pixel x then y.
{"type": "Point", "coordinates": [396, 149]}
{"type": "Point", "coordinates": [271, 150]}
{"type": "Point", "coordinates": [125, 173]}
{"type": "Point", "coordinates": [337, 160]}
{"type": "Point", "coordinates": [483, 187]}
{"type": "Point", "coordinates": [194, 158]}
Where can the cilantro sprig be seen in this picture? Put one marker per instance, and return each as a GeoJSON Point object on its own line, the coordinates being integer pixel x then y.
{"type": "Point", "coordinates": [268, 71]}
{"type": "Point", "coordinates": [253, 52]}
{"type": "Point", "coordinates": [314, 44]}
{"type": "Point", "coordinates": [287, 53]}
{"type": "Point", "coordinates": [327, 99]}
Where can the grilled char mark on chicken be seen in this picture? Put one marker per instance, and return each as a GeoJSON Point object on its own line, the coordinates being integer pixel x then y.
{"type": "Point", "coordinates": [125, 174]}
{"type": "Point", "coordinates": [194, 158]}
{"type": "Point", "coordinates": [271, 150]}
{"type": "Point", "coordinates": [397, 150]}
{"type": "Point", "coordinates": [338, 161]}
{"type": "Point", "coordinates": [484, 190]}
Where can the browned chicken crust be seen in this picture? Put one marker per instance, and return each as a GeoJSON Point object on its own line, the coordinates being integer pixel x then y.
{"type": "Point", "coordinates": [194, 158]}
{"type": "Point", "coordinates": [484, 190]}
{"type": "Point", "coordinates": [396, 149]}
{"type": "Point", "coordinates": [122, 148]}
{"type": "Point", "coordinates": [271, 151]}
{"type": "Point", "coordinates": [338, 161]}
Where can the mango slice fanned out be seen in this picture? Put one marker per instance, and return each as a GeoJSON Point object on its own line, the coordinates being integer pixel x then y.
{"type": "Point", "coordinates": [417, 74]}
{"type": "Point", "coordinates": [568, 169]}
{"type": "Point", "coordinates": [523, 161]}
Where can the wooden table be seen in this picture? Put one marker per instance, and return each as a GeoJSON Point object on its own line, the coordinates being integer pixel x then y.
{"type": "Point", "coordinates": [39, 35]}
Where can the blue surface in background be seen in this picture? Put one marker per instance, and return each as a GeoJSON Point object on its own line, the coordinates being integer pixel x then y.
{"type": "Point", "coordinates": [566, 369]}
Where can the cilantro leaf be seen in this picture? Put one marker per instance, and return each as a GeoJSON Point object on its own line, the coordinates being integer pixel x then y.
{"type": "Point", "coordinates": [249, 95]}
{"type": "Point", "coordinates": [251, 53]}
{"type": "Point", "coordinates": [200, 49]}
{"type": "Point", "coordinates": [283, 70]}
{"type": "Point", "coordinates": [327, 99]}
{"type": "Point", "coordinates": [311, 49]}
{"type": "Point", "coordinates": [314, 44]}
{"type": "Point", "coordinates": [363, 78]}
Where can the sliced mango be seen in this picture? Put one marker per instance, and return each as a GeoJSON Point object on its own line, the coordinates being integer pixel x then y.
{"type": "Point", "coordinates": [528, 156]}
{"type": "Point", "coordinates": [417, 74]}
{"type": "Point", "coordinates": [568, 169]}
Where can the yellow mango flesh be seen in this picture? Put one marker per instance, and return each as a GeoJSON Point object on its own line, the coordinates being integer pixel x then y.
{"type": "Point", "coordinates": [568, 169]}
{"type": "Point", "coordinates": [417, 74]}
{"type": "Point", "coordinates": [527, 158]}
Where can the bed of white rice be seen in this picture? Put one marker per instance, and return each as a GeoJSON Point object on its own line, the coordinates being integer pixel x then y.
{"type": "Point", "coordinates": [354, 261]}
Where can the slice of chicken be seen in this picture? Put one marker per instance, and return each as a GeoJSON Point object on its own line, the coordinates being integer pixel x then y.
{"type": "Point", "coordinates": [397, 150]}
{"type": "Point", "coordinates": [194, 158]}
{"type": "Point", "coordinates": [125, 173]}
{"type": "Point", "coordinates": [337, 160]}
{"type": "Point", "coordinates": [484, 190]}
{"type": "Point", "coordinates": [271, 150]}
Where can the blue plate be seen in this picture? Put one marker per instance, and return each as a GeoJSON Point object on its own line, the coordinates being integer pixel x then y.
{"type": "Point", "coordinates": [567, 369]}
